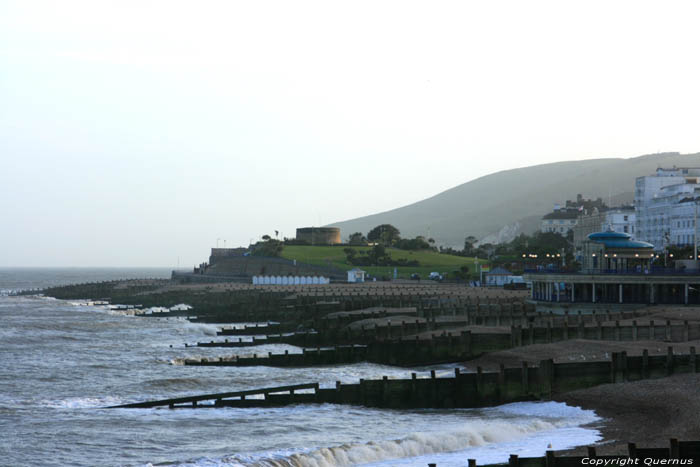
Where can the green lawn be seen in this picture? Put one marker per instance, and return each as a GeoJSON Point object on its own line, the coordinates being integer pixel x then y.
{"type": "Point", "coordinates": [334, 255]}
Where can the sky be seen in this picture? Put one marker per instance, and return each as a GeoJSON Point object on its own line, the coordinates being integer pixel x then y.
{"type": "Point", "coordinates": [143, 133]}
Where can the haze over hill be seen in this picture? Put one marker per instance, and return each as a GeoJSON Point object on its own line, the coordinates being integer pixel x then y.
{"type": "Point", "coordinates": [500, 205]}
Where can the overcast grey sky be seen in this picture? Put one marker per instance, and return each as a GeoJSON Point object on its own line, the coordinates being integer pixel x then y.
{"type": "Point", "coordinates": [134, 133]}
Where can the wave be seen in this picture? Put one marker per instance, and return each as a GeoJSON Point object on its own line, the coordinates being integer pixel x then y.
{"type": "Point", "coordinates": [174, 383]}
{"type": "Point", "coordinates": [417, 444]}
{"type": "Point", "coordinates": [201, 328]}
{"type": "Point", "coordinates": [82, 402]}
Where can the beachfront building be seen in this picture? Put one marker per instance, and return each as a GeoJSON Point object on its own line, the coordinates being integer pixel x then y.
{"type": "Point", "coordinates": [560, 221]}
{"type": "Point", "coordinates": [498, 277]}
{"type": "Point", "coordinates": [356, 275]}
{"type": "Point", "coordinates": [563, 219]}
{"type": "Point", "coordinates": [665, 206]}
{"type": "Point", "coordinates": [616, 270]}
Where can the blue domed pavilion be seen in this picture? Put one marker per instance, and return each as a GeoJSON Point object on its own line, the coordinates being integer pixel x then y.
{"type": "Point", "coordinates": [616, 251]}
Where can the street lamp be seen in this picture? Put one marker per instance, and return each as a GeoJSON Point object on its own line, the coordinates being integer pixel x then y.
{"type": "Point", "coordinates": [695, 231]}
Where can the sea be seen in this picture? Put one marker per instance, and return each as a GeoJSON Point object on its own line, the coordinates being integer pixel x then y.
{"type": "Point", "coordinates": [63, 362]}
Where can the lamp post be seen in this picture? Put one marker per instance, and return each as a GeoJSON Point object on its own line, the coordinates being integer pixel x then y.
{"type": "Point", "coordinates": [695, 231]}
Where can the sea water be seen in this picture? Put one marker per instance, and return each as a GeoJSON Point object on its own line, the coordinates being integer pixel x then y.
{"type": "Point", "coordinates": [63, 362]}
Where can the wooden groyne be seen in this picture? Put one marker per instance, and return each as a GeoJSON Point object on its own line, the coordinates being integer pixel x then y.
{"type": "Point", "coordinates": [248, 330]}
{"type": "Point", "coordinates": [219, 398]}
{"type": "Point", "coordinates": [438, 348]}
{"type": "Point", "coordinates": [469, 390]}
{"type": "Point", "coordinates": [683, 452]}
{"type": "Point", "coordinates": [377, 344]}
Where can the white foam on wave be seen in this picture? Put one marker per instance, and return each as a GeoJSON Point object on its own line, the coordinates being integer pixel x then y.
{"type": "Point", "coordinates": [548, 409]}
{"type": "Point", "coordinates": [522, 427]}
{"type": "Point", "coordinates": [200, 329]}
{"type": "Point", "coordinates": [82, 402]}
{"type": "Point", "coordinates": [416, 444]}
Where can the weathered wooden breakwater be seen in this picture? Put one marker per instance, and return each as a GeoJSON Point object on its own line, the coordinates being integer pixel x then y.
{"type": "Point", "coordinates": [465, 390]}
{"type": "Point", "coordinates": [684, 452]}
{"type": "Point", "coordinates": [227, 302]}
{"type": "Point", "coordinates": [443, 348]}
{"type": "Point", "coordinates": [377, 345]}
{"type": "Point", "coordinates": [247, 330]}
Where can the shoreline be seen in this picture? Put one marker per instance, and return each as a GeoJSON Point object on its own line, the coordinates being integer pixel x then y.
{"type": "Point", "coordinates": [645, 412]}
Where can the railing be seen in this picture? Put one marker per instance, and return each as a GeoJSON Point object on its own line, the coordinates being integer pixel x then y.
{"type": "Point", "coordinates": [655, 271]}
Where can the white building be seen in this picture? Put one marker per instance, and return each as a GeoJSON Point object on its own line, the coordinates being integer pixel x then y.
{"type": "Point", "coordinates": [290, 280]}
{"type": "Point", "coordinates": [559, 221]}
{"type": "Point", "coordinates": [621, 220]}
{"type": "Point", "coordinates": [563, 219]}
{"type": "Point", "coordinates": [664, 208]}
{"type": "Point", "coordinates": [498, 277]}
{"type": "Point", "coordinates": [356, 275]}
{"type": "Point", "coordinates": [682, 221]}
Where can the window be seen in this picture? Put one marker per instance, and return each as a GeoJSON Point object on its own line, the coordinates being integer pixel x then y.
{"type": "Point", "coordinates": [626, 218]}
{"type": "Point", "coordinates": [626, 229]}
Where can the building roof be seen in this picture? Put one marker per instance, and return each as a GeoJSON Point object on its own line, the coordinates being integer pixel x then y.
{"type": "Point", "coordinates": [499, 272]}
{"type": "Point", "coordinates": [617, 240]}
{"type": "Point", "coordinates": [356, 270]}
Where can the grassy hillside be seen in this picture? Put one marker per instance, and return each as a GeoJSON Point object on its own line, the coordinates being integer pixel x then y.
{"type": "Point", "coordinates": [484, 206]}
{"type": "Point", "coordinates": [334, 255]}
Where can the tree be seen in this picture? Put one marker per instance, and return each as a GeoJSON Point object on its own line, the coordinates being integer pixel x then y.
{"type": "Point", "coordinates": [268, 247]}
{"type": "Point", "coordinates": [386, 234]}
{"type": "Point", "coordinates": [469, 243]}
{"type": "Point", "coordinates": [357, 239]}
{"type": "Point", "coordinates": [350, 253]}
{"type": "Point", "coordinates": [417, 243]}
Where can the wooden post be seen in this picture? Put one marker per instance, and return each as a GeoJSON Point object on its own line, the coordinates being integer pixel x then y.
{"type": "Point", "coordinates": [693, 361]}
{"type": "Point", "coordinates": [502, 382]}
{"type": "Point", "coordinates": [546, 373]}
{"type": "Point", "coordinates": [479, 382]}
{"type": "Point", "coordinates": [669, 361]}
{"type": "Point", "coordinates": [549, 459]}
{"type": "Point", "coordinates": [675, 451]}
{"type": "Point", "coordinates": [513, 460]}
{"type": "Point", "coordinates": [645, 363]}
{"type": "Point", "coordinates": [635, 331]}
{"type": "Point", "coordinates": [525, 381]}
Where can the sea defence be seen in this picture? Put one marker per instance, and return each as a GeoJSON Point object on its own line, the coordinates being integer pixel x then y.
{"type": "Point", "coordinates": [464, 390]}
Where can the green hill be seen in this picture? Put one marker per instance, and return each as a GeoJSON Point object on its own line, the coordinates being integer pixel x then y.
{"type": "Point", "coordinates": [503, 204]}
{"type": "Point", "coordinates": [430, 261]}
